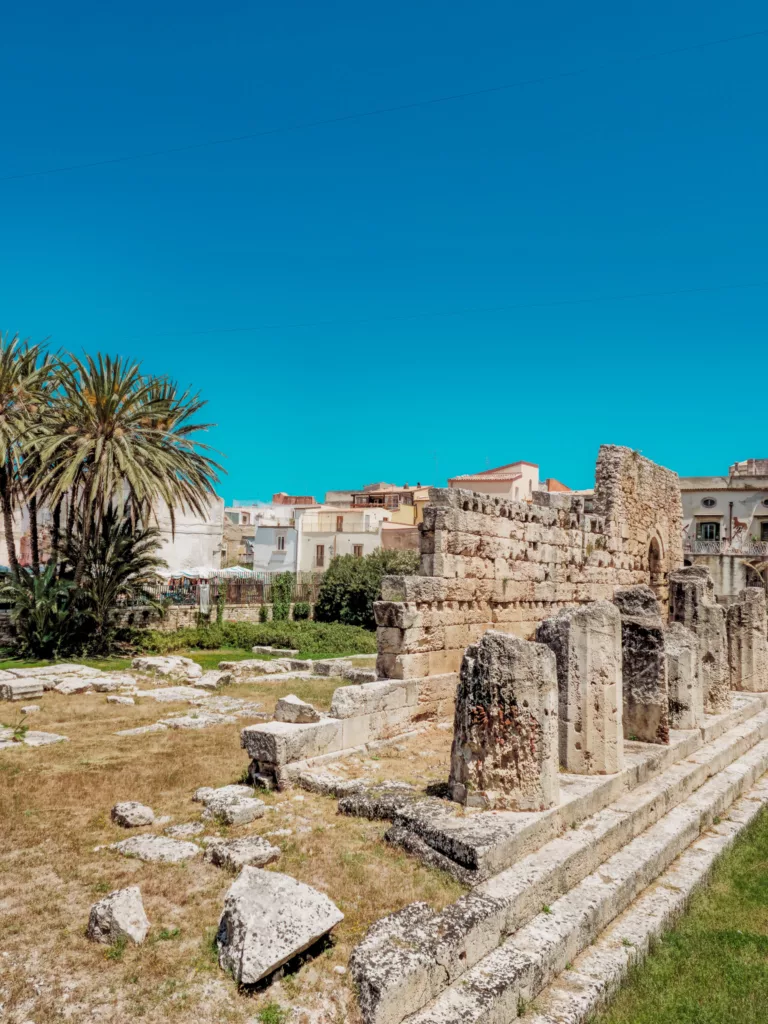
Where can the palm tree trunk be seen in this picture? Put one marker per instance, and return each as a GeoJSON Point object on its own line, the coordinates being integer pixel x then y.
{"type": "Point", "coordinates": [7, 508]}
{"type": "Point", "coordinates": [87, 519]}
{"type": "Point", "coordinates": [56, 532]}
{"type": "Point", "coordinates": [34, 535]}
{"type": "Point", "coordinates": [71, 512]}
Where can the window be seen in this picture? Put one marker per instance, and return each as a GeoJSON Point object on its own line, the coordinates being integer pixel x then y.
{"type": "Point", "coordinates": [708, 531]}
{"type": "Point", "coordinates": [339, 524]}
{"type": "Point", "coordinates": [763, 531]}
{"type": "Point", "coordinates": [765, 502]}
{"type": "Point", "coordinates": [708, 502]}
{"type": "Point", "coordinates": [320, 556]}
{"type": "Point", "coordinates": [281, 542]}
{"type": "Point", "coordinates": [357, 549]}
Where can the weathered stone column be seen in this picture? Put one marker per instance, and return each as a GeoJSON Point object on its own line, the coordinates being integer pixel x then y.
{"type": "Point", "coordinates": [587, 646]}
{"type": "Point", "coordinates": [686, 696]}
{"type": "Point", "coordinates": [747, 641]}
{"type": "Point", "coordinates": [692, 602]}
{"type": "Point", "coordinates": [505, 731]}
{"type": "Point", "coordinates": [644, 667]}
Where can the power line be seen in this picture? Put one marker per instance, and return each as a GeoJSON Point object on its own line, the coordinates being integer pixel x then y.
{"type": "Point", "coordinates": [463, 312]}
{"type": "Point", "coordinates": [378, 111]}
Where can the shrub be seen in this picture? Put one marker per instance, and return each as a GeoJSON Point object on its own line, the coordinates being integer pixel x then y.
{"type": "Point", "coordinates": [263, 613]}
{"type": "Point", "coordinates": [282, 592]}
{"type": "Point", "coordinates": [351, 585]}
{"type": "Point", "coordinates": [311, 639]}
{"type": "Point", "coordinates": [301, 611]}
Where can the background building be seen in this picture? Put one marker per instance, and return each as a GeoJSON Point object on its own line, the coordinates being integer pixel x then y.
{"type": "Point", "coordinates": [725, 524]}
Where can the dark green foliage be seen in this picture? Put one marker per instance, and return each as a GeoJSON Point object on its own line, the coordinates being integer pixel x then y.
{"type": "Point", "coordinates": [263, 614]}
{"type": "Point", "coordinates": [46, 615]}
{"type": "Point", "coordinates": [351, 585]}
{"type": "Point", "coordinates": [282, 592]}
{"type": "Point", "coordinates": [301, 611]}
{"type": "Point", "coordinates": [311, 639]}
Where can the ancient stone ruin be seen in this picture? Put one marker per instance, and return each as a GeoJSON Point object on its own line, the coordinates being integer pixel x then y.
{"type": "Point", "coordinates": [692, 603]}
{"type": "Point", "coordinates": [643, 665]}
{"type": "Point", "coordinates": [587, 646]}
{"type": "Point", "coordinates": [505, 732]}
{"type": "Point", "coordinates": [747, 642]}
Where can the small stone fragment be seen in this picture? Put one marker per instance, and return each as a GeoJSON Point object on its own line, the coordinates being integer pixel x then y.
{"type": "Point", "coordinates": [141, 729]}
{"type": "Point", "coordinates": [186, 831]}
{"type": "Point", "coordinates": [70, 686]}
{"type": "Point", "coordinates": [115, 699]}
{"type": "Point", "coordinates": [131, 814]}
{"type": "Point", "coordinates": [293, 709]}
{"type": "Point", "coordinates": [120, 915]}
{"type": "Point", "coordinates": [30, 709]}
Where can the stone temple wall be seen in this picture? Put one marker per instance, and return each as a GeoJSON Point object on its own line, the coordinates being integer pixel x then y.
{"type": "Point", "coordinates": [491, 563]}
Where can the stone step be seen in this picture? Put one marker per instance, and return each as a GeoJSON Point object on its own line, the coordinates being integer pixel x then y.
{"type": "Point", "coordinates": [409, 957]}
{"type": "Point", "coordinates": [476, 846]}
{"type": "Point", "coordinates": [516, 972]}
{"type": "Point", "coordinates": [596, 974]}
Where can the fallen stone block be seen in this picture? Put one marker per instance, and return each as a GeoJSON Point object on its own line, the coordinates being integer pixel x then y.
{"type": "Point", "coordinates": [198, 720]}
{"type": "Point", "coordinates": [141, 729]}
{"type": "Point", "coordinates": [327, 784]}
{"type": "Point", "coordinates": [233, 805]}
{"type": "Point", "coordinates": [192, 828]}
{"type": "Point", "coordinates": [131, 814]}
{"type": "Point", "coordinates": [370, 698]}
{"type": "Point", "coordinates": [70, 686]}
{"type": "Point", "coordinates": [159, 849]}
{"type": "Point", "coordinates": [174, 694]}
{"type": "Point", "coordinates": [234, 854]}
{"type": "Point", "coordinates": [268, 919]}
{"type": "Point", "coordinates": [116, 699]}
{"type": "Point", "coordinates": [214, 680]}
{"type": "Point", "coordinates": [171, 666]}
{"type": "Point", "coordinates": [279, 743]}
{"type": "Point", "coordinates": [33, 738]}
{"type": "Point", "coordinates": [120, 915]}
{"type": "Point", "coordinates": [21, 689]}
{"type": "Point", "coordinates": [288, 652]}
{"type": "Point", "coordinates": [30, 709]}
{"type": "Point", "coordinates": [254, 667]}
{"type": "Point", "coordinates": [113, 683]}
{"type": "Point", "coordinates": [292, 709]}
{"type": "Point", "coordinates": [205, 793]}
{"type": "Point", "coordinates": [330, 666]}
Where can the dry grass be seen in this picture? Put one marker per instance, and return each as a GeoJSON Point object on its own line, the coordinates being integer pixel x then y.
{"type": "Point", "coordinates": [54, 809]}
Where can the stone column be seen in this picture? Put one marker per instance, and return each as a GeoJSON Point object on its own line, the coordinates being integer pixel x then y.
{"type": "Point", "coordinates": [644, 667]}
{"type": "Point", "coordinates": [686, 696]}
{"type": "Point", "coordinates": [692, 602]}
{"type": "Point", "coordinates": [747, 641]}
{"type": "Point", "coordinates": [587, 646]}
{"type": "Point", "coordinates": [505, 731]}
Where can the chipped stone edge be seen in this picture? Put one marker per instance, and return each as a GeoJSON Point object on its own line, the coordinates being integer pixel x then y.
{"type": "Point", "coordinates": [598, 973]}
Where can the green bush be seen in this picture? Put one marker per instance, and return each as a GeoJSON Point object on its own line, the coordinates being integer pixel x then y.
{"type": "Point", "coordinates": [263, 614]}
{"type": "Point", "coordinates": [311, 639]}
{"type": "Point", "coordinates": [351, 585]}
{"type": "Point", "coordinates": [282, 592]}
{"type": "Point", "coordinates": [301, 611]}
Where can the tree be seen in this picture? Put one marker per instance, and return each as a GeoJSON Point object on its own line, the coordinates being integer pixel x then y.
{"type": "Point", "coordinates": [21, 398]}
{"type": "Point", "coordinates": [111, 433]}
{"type": "Point", "coordinates": [120, 567]}
{"type": "Point", "coordinates": [350, 585]}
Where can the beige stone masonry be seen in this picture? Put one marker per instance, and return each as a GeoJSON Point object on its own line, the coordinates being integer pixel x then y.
{"type": "Point", "coordinates": [747, 641]}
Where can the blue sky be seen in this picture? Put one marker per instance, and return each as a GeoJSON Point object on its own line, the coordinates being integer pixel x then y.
{"type": "Point", "coordinates": [633, 178]}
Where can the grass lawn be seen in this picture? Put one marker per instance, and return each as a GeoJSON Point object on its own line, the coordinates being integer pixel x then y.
{"type": "Point", "coordinates": [712, 968]}
{"type": "Point", "coordinates": [206, 659]}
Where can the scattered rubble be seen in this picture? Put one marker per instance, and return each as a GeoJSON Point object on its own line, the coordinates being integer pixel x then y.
{"type": "Point", "coordinates": [185, 831]}
{"type": "Point", "coordinates": [268, 919]}
{"type": "Point", "coordinates": [120, 915]}
{"type": "Point", "coordinates": [115, 699]}
{"type": "Point", "coordinates": [172, 666]}
{"type": "Point", "coordinates": [233, 805]}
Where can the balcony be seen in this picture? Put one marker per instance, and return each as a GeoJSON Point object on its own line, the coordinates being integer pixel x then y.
{"type": "Point", "coordinates": [745, 547]}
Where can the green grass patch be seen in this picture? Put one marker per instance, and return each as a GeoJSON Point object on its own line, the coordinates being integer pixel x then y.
{"type": "Point", "coordinates": [105, 664]}
{"type": "Point", "coordinates": [712, 968]}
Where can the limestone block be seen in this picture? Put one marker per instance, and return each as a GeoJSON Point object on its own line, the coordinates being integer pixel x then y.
{"type": "Point", "coordinates": [692, 602]}
{"type": "Point", "coordinates": [120, 915]}
{"type": "Point", "coordinates": [747, 641]}
{"type": "Point", "coordinates": [686, 696]}
{"type": "Point", "coordinates": [280, 743]}
{"type": "Point", "coordinates": [131, 814]}
{"type": "Point", "coordinates": [587, 646]}
{"type": "Point", "coordinates": [268, 919]}
{"type": "Point", "coordinates": [159, 849]}
{"type": "Point", "coordinates": [292, 709]}
{"type": "Point", "coordinates": [234, 854]}
{"type": "Point", "coordinates": [172, 666]}
{"type": "Point", "coordinates": [644, 666]}
{"type": "Point", "coordinates": [504, 750]}
{"type": "Point", "coordinates": [367, 698]}
{"type": "Point", "coordinates": [21, 689]}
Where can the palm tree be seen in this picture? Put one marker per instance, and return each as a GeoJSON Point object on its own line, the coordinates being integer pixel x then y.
{"type": "Point", "coordinates": [111, 433]}
{"type": "Point", "coordinates": [21, 398]}
{"type": "Point", "coordinates": [120, 567]}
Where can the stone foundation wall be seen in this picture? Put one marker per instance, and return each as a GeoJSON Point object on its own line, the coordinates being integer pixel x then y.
{"type": "Point", "coordinates": [490, 563]}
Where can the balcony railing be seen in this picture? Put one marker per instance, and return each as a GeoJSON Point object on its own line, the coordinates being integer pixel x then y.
{"type": "Point", "coordinates": [737, 546]}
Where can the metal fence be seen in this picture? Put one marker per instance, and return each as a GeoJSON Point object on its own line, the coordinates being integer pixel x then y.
{"type": "Point", "coordinates": [183, 592]}
{"type": "Point", "coordinates": [750, 548]}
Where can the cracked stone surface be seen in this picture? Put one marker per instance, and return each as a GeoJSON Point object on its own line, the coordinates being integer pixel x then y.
{"type": "Point", "coordinates": [234, 854]}
{"type": "Point", "coordinates": [131, 814]}
{"type": "Point", "coordinates": [160, 849]}
{"type": "Point", "coordinates": [120, 915]}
